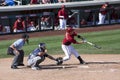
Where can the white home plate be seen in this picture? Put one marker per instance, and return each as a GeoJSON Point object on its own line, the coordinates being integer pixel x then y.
{"type": "Point", "coordinates": [83, 66]}
{"type": "Point", "coordinates": [113, 70]}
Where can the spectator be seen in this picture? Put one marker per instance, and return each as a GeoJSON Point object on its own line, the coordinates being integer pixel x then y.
{"type": "Point", "coordinates": [72, 21]}
{"type": "Point", "coordinates": [1, 29]}
{"type": "Point", "coordinates": [8, 3]}
{"type": "Point", "coordinates": [45, 21]}
{"type": "Point", "coordinates": [61, 1]}
{"type": "Point", "coordinates": [90, 17]}
{"type": "Point", "coordinates": [34, 2]}
{"type": "Point", "coordinates": [83, 22]}
{"type": "Point", "coordinates": [46, 1]}
{"type": "Point", "coordinates": [54, 1]}
{"type": "Point", "coordinates": [114, 15]}
{"type": "Point", "coordinates": [18, 2]}
{"type": "Point", "coordinates": [7, 29]}
{"type": "Point", "coordinates": [102, 13]}
{"type": "Point", "coordinates": [1, 1]}
{"type": "Point", "coordinates": [63, 16]}
{"type": "Point", "coordinates": [19, 25]}
{"type": "Point", "coordinates": [31, 26]}
{"type": "Point", "coordinates": [56, 22]}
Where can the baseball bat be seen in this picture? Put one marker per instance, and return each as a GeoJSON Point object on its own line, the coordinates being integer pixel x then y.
{"type": "Point", "coordinates": [90, 43]}
{"type": "Point", "coordinates": [73, 14]}
{"type": "Point", "coordinates": [96, 46]}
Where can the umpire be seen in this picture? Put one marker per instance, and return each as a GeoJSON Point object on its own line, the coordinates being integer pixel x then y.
{"type": "Point", "coordinates": [15, 49]}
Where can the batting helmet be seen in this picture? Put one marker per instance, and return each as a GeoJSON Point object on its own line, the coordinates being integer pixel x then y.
{"type": "Point", "coordinates": [42, 45]}
{"type": "Point", "coordinates": [69, 29]}
{"type": "Point", "coordinates": [63, 6]}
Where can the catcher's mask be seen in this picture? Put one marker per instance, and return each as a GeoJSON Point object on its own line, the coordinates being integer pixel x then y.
{"type": "Point", "coordinates": [42, 45]}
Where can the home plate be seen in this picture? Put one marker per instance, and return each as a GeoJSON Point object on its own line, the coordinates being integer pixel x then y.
{"type": "Point", "coordinates": [83, 66]}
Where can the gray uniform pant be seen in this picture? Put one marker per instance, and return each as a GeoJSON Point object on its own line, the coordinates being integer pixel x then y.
{"type": "Point", "coordinates": [18, 58]}
{"type": "Point", "coordinates": [34, 61]}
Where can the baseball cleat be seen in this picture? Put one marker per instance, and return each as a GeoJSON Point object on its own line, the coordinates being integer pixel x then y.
{"type": "Point", "coordinates": [21, 64]}
{"type": "Point", "coordinates": [83, 62]}
{"type": "Point", "coordinates": [35, 68]}
{"type": "Point", "coordinates": [14, 67]}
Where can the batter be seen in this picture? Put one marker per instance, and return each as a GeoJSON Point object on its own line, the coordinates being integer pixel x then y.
{"type": "Point", "coordinates": [68, 48]}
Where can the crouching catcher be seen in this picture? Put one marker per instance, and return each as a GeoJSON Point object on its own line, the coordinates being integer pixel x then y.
{"type": "Point", "coordinates": [38, 55]}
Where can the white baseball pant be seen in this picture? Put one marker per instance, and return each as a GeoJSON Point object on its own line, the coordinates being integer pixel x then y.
{"type": "Point", "coordinates": [68, 50]}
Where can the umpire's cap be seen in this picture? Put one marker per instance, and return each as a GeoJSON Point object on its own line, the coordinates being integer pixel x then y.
{"type": "Point", "coordinates": [26, 36]}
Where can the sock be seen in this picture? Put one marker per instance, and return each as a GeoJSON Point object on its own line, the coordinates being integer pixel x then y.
{"type": "Point", "coordinates": [80, 59]}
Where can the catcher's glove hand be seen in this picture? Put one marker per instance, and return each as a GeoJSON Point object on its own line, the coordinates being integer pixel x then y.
{"type": "Point", "coordinates": [59, 60]}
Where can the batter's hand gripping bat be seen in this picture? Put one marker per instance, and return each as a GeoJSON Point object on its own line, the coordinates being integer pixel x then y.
{"type": "Point", "coordinates": [90, 43]}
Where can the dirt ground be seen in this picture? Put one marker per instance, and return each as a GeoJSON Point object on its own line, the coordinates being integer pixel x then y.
{"type": "Point", "coordinates": [99, 67]}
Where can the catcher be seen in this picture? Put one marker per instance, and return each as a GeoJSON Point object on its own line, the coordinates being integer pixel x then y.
{"type": "Point", "coordinates": [38, 55]}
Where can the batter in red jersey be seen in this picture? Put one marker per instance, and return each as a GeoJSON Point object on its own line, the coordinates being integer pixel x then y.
{"type": "Point", "coordinates": [63, 15]}
{"type": "Point", "coordinates": [68, 48]}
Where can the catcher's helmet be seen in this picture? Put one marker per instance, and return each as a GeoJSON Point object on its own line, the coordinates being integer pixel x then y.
{"type": "Point", "coordinates": [42, 45]}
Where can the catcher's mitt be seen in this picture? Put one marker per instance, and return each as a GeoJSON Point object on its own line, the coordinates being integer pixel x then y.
{"type": "Point", "coordinates": [59, 60]}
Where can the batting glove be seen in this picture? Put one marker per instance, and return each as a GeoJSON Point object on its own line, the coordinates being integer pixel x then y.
{"type": "Point", "coordinates": [84, 41]}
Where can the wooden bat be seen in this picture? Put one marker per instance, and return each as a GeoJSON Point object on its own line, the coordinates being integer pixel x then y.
{"type": "Point", "coordinates": [73, 14]}
{"type": "Point", "coordinates": [90, 43]}
{"type": "Point", "coordinates": [96, 46]}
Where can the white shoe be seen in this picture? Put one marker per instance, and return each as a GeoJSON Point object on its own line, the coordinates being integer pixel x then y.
{"type": "Point", "coordinates": [35, 68]}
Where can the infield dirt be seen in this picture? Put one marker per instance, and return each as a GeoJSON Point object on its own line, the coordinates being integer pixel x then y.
{"type": "Point", "coordinates": [99, 67]}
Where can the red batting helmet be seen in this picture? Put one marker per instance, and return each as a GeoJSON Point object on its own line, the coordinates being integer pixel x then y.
{"type": "Point", "coordinates": [63, 6]}
{"type": "Point", "coordinates": [69, 29]}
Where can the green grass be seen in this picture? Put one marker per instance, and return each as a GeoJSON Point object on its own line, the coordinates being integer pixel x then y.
{"type": "Point", "coordinates": [108, 40]}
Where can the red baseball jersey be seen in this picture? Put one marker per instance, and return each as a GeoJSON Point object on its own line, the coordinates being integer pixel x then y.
{"type": "Point", "coordinates": [19, 25]}
{"type": "Point", "coordinates": [63, 13]}
{"type": "Point", "coordinates": [34, 2]}
{"type": "Point", "coordinates": [1, 28]}
{"type": "Point", "coordinates": [103, 10]}
{"type": "Point", "coordinates": [69, 38]}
